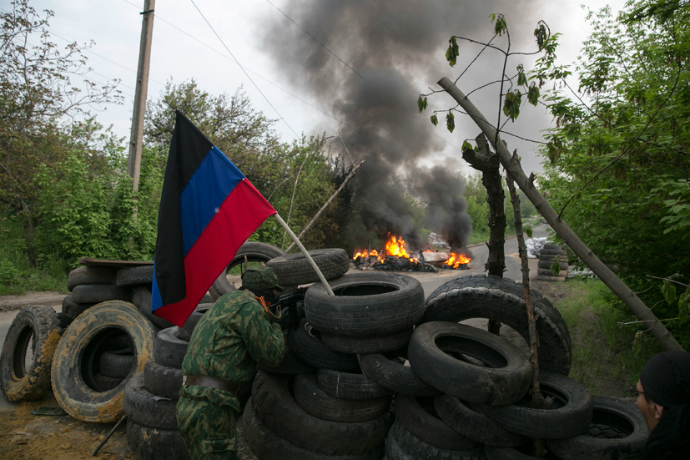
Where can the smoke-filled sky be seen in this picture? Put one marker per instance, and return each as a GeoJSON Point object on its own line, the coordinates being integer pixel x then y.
{"type": "Point", "coordinates": [405, 35]}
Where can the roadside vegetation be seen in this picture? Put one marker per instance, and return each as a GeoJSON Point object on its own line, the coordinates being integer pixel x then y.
{"type": "Point", "coordinates": [607, 356]}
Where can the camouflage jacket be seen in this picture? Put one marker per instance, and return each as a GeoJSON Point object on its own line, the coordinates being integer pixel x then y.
{"type": "Point", "coordinates": [227, 343]}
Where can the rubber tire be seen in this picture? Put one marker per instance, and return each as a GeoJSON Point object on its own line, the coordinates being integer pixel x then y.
{"type": "Point", "coordinates": [397, 309]}
{"type": "Point", "coordinates": [141, 406]}
{"type": "Point", "coordinates": [116, 363]}
{"type": "Point", "coordinates": [73, 309]}
{"type": "Point", "coordinates": [290, 365]}
{"type": "Point", "coordinates": [134, 276]}
{"type": "Point", "coordinates": [155, 444]}
{"type": "Point", "coordinates": [318, 403]}
{"type": "Point", "coordinates": [467, 381]}
{"type": "Point", "coordinates": [276, 408]}
{"type": "Point", "coordinates": [169, 350]}
{"type": "Point", "coordinates": [304, 342]}
{"type": "Point", "coordinates": [97, 293]}
{"type": "Point", "coordinates": [547, 264]}
{"type": "Point", "coordinates": [506, 453]}
{"type": "Point", "coordinates": [563, 259]}
{"type": "Point", "coordinates": [266, 445]}
{"type": "Point", "coordinates": [416, 448]}
{"type": "Point", "coordinates": [41, 324]}
{"type": "Point", "coordinates": [69, 388]}
{"type": "Point", "coordinates": [550, 246]}
{"type": "Point", "coordinates": [548, 272]}
{"type": "Point", "coordinates": [344, 385]}
{"type": "Point", "coordinates": [255, 252]}
{"type": "Point", "coordinates": [295, 269]}
{"type": "Point", "coordinates": [142, 299]}
{"type": "Point", "coordinates": [162, 380]}
{"type": "Point", "coordinates": [185, 332]}
{"type": "Point", "coordinates": [419, 417]}
{"type": "Point", "coordinates": [500, 299]}
{"type": "Point", "coordinates": [572, 419]}
{"type": "Point", "coordinates": [64, 320]}
{"type": "Point", "coordinates": [91, 275]}
{"type": "Point", "coordinates": [544, 253]}
{"type": "Point", "coordinates": [105, 383]}
{"type": "Point", "coordinates": [469, 420]}
{"type": "Point", "coordinates": [393, 449]}
{"type": "Point", "coordinates": [395, 376]}
{"type": "Point", "coordinates": [587, 447]}
{"type": "Point", "coordinates": [366, 345]}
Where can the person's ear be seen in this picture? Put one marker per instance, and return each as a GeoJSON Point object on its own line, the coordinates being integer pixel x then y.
{"type": "Point", "coordinates": [658, 411]}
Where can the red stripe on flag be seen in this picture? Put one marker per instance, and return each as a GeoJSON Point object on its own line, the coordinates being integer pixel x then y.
{"type": "Point", "coordinates": [238, 217]}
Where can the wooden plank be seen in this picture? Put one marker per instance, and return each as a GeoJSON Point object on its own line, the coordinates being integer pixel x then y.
{"type": "Point", "coordinates": [91, 262]}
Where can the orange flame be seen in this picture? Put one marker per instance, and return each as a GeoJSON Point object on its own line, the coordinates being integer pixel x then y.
{"type": "Point", "coordinates": [395, 246]}
{"type": "Point", "coordinates": [365, 253]}
{"type": "Point", "coordinates": [457, 259]}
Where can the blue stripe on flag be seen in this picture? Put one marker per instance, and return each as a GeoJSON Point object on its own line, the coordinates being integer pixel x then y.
{"type": "Point", "coordinates": [205, 192]}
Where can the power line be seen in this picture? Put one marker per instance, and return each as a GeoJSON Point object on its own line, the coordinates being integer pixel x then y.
{"type": "Point", "coordinates": [245, 72]}
{"type": "Point", "coordinates": [314, 38]}
{"type": "Point", "coordinates": [158, 17]}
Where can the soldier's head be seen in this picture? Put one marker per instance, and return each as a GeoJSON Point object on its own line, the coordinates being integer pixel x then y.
{"type": "Point", "coordinates": [261, 281]}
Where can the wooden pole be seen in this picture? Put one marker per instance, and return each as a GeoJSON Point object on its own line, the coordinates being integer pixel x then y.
{"type": "Point", "coordinates": [342, 186]}
{"type": "Point", "coordinates": [305, 252]}
{"type": "Point", "coordinates": [137, 134]}
{"type": "Point", "coordinates": [511, 163]}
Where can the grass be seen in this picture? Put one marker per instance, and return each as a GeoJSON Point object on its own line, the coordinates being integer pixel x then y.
{"type": "Point", "coordinates": [607, 358]}
{"type": "Point", "coordinates": [17, 275]}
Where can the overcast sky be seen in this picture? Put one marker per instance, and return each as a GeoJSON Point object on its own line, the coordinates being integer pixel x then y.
{"type": "Point", "coordinates": [258, 34]}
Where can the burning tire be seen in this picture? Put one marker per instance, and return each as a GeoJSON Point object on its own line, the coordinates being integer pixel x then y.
{"type": "Point", "coordinates": [295, 269]}
{"type": "Point", "coordinates": [469, 420]}
{"type": "Point", "coordinates": [318, 403]}
{"type": "Point", "coordinates": [37, 326]}
{"type": "Point", "coordinates": [469, 363]}
{"type": "Point", "coordinates": [255, 252]}
{"type": "Point", "coordinates": [502, 300]}
{"type": "Point", "coordinates": [365, 305]}
{"type": "Point", "coordinates": [618, 431]}
{"type": "Point", "coordinates": [569, 415]}
{"type": "Point", "coordinates": [78, 350]}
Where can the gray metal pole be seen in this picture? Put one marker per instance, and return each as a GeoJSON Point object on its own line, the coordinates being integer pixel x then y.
{"type": "Point", "coordinates": [137, 134]}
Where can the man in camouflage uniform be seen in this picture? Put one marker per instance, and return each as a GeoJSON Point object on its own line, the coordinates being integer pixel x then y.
{"type": "Point", "coordinates": [227, 343]}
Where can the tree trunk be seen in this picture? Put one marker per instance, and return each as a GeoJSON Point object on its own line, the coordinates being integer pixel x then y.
{"type": "Point", "coordinates": [511, 163]}
{"type": "Point", "coordinates": [488, 164]}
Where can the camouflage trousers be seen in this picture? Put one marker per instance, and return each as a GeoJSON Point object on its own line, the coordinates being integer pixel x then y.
{"type": "Point", "coordinates": [208, 430]}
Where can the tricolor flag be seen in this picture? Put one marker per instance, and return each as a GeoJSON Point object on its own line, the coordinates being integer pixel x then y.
{"type": "Point", "coordinates": [208, 210]}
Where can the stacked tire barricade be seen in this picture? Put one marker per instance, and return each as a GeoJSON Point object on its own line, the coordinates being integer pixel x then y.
{"type": "Point", "coordinates": [553, 263]}
{"type": "Point", "coordinates": [375, 371]}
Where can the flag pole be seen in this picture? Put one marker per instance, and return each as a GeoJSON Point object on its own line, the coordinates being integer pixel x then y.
{"type": "Point", "coordinates": [306, 254]}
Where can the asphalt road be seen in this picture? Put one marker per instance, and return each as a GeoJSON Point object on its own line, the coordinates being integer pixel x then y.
{"type": "Point", "coordinates": [429, 281]}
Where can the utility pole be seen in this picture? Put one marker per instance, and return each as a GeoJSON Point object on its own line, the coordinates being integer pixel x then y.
{"type": "Point", "coordinates": [137, 135]}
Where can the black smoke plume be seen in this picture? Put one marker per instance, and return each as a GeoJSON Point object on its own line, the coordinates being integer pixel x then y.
{"type": "Point", "coordinates": [396, 48]}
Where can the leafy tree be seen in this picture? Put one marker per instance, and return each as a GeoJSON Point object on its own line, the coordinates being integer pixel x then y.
{"type": "Point", "coordinates": [617, 162]}
{"type": "Point", "coordinates": [42, 89]}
